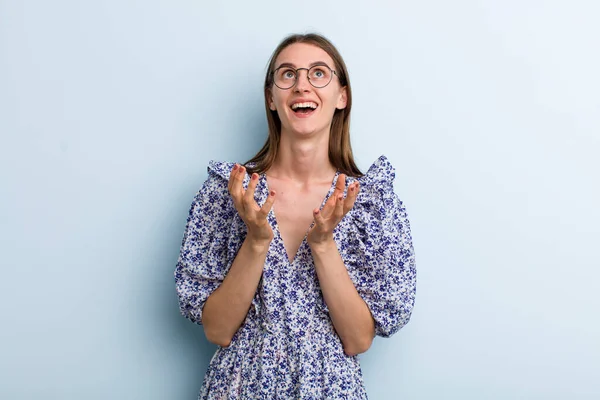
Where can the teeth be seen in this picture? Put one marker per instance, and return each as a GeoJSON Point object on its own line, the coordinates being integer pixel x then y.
{"type": "Point", "coordinates": [304, 105]}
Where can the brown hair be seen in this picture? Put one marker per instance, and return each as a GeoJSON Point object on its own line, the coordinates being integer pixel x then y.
{"type": "Point", "coordinates": [340, 150]}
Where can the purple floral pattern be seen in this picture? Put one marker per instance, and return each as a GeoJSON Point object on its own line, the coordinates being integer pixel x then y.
{"type": "Point", "coordinates": [287, 347]}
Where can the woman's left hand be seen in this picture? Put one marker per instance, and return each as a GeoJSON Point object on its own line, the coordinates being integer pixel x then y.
{"type": "Point", "coordinates": [332, 213]}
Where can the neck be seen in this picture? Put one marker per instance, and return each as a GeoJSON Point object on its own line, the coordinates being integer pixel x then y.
{"type": "Point", "coordinates": [303, 159]}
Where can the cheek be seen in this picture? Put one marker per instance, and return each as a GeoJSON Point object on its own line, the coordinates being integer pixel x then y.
{"type": "Point", "coordinates": [279, 101]}
{"type": "Point", "coordinates": [330, 98]}
{"type": "Point", "coordinates": [330, 103]}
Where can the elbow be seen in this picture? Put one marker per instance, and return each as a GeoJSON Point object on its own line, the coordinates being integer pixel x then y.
{"type": "Point", "coordinates": [215, 334]}
{"type": "Point", "coordinates": [214, 330]}
{"type": "Point", "coordinates": [219, 339]}
{"type": "Point", "coordinates": [221, 342]}
{"type": "Point", "coordinates": [358, 347]}
{"type": "Point", "coordinates": [361, 342]}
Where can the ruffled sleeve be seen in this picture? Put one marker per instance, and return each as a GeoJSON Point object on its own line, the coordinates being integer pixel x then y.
{"type": "Point", "coordinates": [381, 256]}
{"type": "Point", "coordinates": [208, 247]}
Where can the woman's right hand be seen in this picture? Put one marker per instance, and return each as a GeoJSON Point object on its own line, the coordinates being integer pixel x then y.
{"type": "Point", "coordinates": [255, 217]}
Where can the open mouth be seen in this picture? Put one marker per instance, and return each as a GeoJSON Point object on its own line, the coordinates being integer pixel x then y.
{"type": "Point", "coordinates": [304, 109]}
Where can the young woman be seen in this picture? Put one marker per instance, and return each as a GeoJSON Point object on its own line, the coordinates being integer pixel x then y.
{"type": "Point", "coordinates": [294, 261]}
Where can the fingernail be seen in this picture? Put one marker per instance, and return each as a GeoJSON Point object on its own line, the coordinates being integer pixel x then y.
{"type": "Point", "coordinates": [272, 193]}
{"type": "Point", "coordinates": [352, 188]}
{"type": "Point", "coordinates": [340, 197]}
{"type": "Point", "coordinates": [242, 169]}
{"type": "Point", "coordinates": [254, 177]}
{"type": "Point", "coordinates": [235, 167]}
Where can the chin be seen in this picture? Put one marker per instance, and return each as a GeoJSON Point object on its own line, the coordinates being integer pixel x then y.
{"type": "Point", "coordinates": [306, 129]}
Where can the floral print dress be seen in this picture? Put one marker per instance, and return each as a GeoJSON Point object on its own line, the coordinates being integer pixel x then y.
{"type": "Point", "coordinates": [287, 347]}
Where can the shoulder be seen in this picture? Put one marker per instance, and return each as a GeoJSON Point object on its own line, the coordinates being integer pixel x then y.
{"type": "Point", "coordinates": [377, 199]}
{"type": "Point", "coordinates": [380, 175]}
{"type": "Point", "coordinates": [212, 201]}
{"type": "Point", "coordinates": [214, 190]}
{"type": "Point", "coordinates": [219, 169]}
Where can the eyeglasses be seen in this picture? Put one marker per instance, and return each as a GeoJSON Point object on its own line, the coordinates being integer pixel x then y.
{"type": "Point", "coordinates": [318, 75]}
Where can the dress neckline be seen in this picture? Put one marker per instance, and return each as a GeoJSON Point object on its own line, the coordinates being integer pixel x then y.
{"type": "Point", "coordinates": [272, 218]}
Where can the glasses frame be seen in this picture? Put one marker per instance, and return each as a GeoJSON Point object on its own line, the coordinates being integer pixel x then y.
{"type": "Point", "coordinates": [296, 70]}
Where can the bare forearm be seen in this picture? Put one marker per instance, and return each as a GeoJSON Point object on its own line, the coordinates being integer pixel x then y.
{"type": "Point", "coordinates": [349, 313]}
{"type": "Point", "coordinates": [227, 307]}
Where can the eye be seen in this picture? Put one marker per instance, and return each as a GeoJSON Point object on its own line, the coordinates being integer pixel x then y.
{"type": "Point", "coordinates": [287, 74]}
{"type": "Point", "coordinates": [319, 73]}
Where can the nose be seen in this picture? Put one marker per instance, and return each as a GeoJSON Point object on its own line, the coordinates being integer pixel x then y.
{"type": "Point", "coordinates": [302, 83]}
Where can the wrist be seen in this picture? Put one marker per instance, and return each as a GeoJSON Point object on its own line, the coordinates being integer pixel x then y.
{"type": "Point", "coordinates": [259, 245]}
{"type": "Point", "coordinates": [322, 246]}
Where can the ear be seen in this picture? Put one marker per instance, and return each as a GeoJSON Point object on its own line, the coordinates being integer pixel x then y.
{"type": "Point", "coordinates": [343, 99]}
{"type": "Point", "coordinates": [270, 100]}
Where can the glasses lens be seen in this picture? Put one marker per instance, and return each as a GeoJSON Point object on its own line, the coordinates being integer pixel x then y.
{"type": "Point", "coordinates": [285, 77]}
{"type": "Point", "coordinates": [320, 76]}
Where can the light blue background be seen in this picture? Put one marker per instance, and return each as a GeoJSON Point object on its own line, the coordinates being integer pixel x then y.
{"type": "Point", "coordinates": [111, 110]}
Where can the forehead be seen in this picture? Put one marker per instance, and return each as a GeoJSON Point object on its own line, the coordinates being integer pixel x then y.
{"type": "Point", "coordinates": [302, 55]}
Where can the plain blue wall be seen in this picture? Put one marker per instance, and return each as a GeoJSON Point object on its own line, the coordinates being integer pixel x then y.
{"type": "Point", "coordinates": [111, 110]}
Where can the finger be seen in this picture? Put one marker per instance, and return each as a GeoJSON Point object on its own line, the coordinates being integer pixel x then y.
{"type": "Point", "coordinates": [339, 207]}
{"type": "Point", "coordinates": [238, 184]}
{"type": "Point", "coordinates": [353, 190]}
{"type": "Point", "coordinates": [232, 174]}
{"type": "Point", "coordinates": [340, 185]}
{"type": "Point", "coordinates": [249, 195]}
{"type": "Point", "coordinates": [238, 179]}
{"type": "Point", "coordinates": [264, 210]}
{"type": "Point", "coordinates": [329, 205]}
{"type": "Point", "coordinates": [236, 190]}
{"type": "Point", "coordinates": [318, 216]}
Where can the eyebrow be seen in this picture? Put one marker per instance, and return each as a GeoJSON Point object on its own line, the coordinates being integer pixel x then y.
{"type": "Point", "coordinates": [310, 66]}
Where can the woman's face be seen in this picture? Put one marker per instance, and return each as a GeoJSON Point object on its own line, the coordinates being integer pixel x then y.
{"type": "Point", "coordinates": [305, 121]}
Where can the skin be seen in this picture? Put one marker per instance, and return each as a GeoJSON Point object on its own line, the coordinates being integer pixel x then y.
{"type": "Point", "coordinates": [298, 181]}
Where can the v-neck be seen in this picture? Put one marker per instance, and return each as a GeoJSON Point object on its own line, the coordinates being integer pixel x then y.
{"type": "Point", "coordinates": [275, 225]}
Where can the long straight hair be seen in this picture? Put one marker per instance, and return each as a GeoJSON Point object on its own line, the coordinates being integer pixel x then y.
{"type": "Point", "coordinates": [340, 149]}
